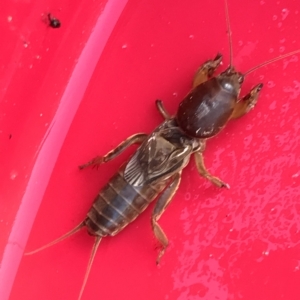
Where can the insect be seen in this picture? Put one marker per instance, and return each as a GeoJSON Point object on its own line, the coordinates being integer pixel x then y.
{"type": "Point", "coordinates": [53, 22]}
{"type": "Point", "coordinates": [154, 171]}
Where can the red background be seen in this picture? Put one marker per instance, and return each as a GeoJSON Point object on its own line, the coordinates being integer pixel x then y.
{"type": "Point", "coordinates": [63, 101]}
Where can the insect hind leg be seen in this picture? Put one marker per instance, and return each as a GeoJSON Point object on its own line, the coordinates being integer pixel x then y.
{"type": "Point", "coordinates": [206, 70]}
{"type": "Point", "coordinates": [161, 204]}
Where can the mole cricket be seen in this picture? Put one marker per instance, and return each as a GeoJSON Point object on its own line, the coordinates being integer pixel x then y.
{"type": "Point", "coordinates": [154, 170]}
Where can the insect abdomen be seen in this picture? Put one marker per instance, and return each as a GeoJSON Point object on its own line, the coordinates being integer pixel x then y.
{"type": "Point", "coordinates": [118, 204]}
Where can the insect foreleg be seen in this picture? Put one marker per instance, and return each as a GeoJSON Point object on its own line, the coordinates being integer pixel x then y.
{"type": "Point", "coordinates": [162, 110]}
{"type": "Point", "coordinates": [203, 172]}
{"type": "Point", "coordinates": [98, 160]}
{"type": "Point", "coordinates": [247, 102]}
{"type": "Point", "coordinates": [206, 70]}
{"type": "Point", "coordinates": [161, 204]}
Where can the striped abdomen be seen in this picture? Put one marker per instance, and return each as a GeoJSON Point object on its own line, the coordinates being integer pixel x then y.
{"type": "Point", "coordinates": [118, 204]}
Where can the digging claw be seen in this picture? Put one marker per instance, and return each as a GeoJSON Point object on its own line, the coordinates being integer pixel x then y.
{"type": "Point", "coordinates": [225, 185]}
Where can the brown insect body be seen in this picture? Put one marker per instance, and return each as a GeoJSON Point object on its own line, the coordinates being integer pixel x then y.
{"type": "Point", "coordinates": [118, 204]}
{"type": "Point", "coordinates": [135, 185]}
{"type": "Point", "coordinates": [154, 170]}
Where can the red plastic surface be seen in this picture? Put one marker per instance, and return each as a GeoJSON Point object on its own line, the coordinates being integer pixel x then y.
{"type": "Point", "coordinates": [64, 100]}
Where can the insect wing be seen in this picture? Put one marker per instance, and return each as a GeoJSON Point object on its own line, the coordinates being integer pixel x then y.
{"type": "Point", "coordinates": [156, 159]}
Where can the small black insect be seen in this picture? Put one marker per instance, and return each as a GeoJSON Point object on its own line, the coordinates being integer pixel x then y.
{"type": "Point", "coordinates": [53, 22]}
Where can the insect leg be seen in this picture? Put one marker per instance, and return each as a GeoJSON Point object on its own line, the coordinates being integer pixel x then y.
{"type": "Point", "coordinates": [162, 110]}
{"type": "Point", "coordinates": [98, 160]}
{"type": "Point", "coordinates": [203, 172]}
{"type": "Point", "coordinates": [162, 203]}
{"type": "Point", "coordinates": [206, 70]}
{"type": "Point", "coordinates": [247, 102]}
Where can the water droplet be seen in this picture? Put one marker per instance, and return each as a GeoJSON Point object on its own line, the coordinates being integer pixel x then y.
{"type": "Point", "coordinates": [9, 18]}
{"type": "Point", "coordinates": [279, 24]}
{"type": "Point", "coordinates": [284, 13]}
{"type": "Point", "coordinates": [270, 84]}
{"type": "Point", "coordinates": [187, 196]}
{"type": "Point", "coordinates": [271, 50]}
{"type": "Point", "coordinates": [13, 174]}
{"type": "Point", "coordinates": [240, 43]}
{"type": "Point", "coordinates": [274, 18]}
{"type": "Point", "coordinates": [272, 106]}
{"type": "Point", "coordinates": [249, 127]}
{"type": "Point", "coordinates": [175, 94]}
{"type": "Point", "coordinates": [41, 114]}
{"type": "Point", "coordinates": [124, 46]}
{"type": "Point", "coordinates": [191, 36]}
{"type": "Point", "coordinates": [281, 49]}
{"type": "Point", "coordinates": [247, 140]}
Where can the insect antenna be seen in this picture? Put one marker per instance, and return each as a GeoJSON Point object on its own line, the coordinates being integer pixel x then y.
{"type": "Point", "coordinates": [231, 49]}
{"type": "Point", "coordinates": [271, 61]}
{"type": "Point", "coordinates": [229, 34]}
{"type": "Point", "coordinates": [68, 234]}
{"type": "Point", "coordinates": [88, 269]}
